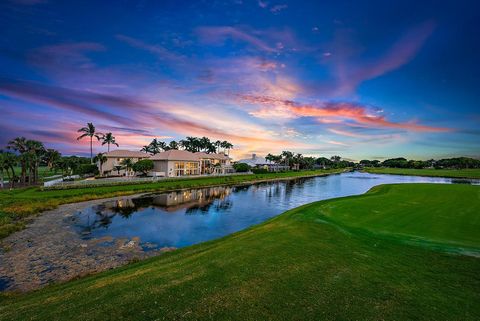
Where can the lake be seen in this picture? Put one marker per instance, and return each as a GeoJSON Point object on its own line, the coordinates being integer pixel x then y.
{"type": "Point", "coordinates": [183, 218]}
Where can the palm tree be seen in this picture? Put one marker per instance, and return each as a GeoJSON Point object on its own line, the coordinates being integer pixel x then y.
{"type": "Point", "coordinates": [128, 163]}
{"type": "Point", "coordinates": [155, 146]}
{"type": "Point", "coordinates": [8, 161]}
{"type": "Point", "coordinates": [19, 145]}
{"type": "Point", "coordinates": [146, 149]}
{"type": "Point", "coordinates": [227, 146]}
{"type": "Point", "coordinates": [335, 159]}
{"type": "Point", "coordinates": [51, 156]}
{"type": "Point", "coordinates": [218, 144]}
{"type": "Point", "coordinates": [100, 159]}
{"type": "Point", "coordinates": [173, 145]}
{"type": "Point", "coordinates": [109, 139]}
{"type": "Point", "coordinates": [90, 132]}
{"type": "Point", "coordinates": [35, 152]}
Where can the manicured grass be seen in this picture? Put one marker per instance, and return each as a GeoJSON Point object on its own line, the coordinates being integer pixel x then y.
{"type": "Point", "coordinates": [453, 173]}
{"type": "Point", "coordinates": [43, 171]}
{"type": "Point", "coordinates": [17, 205]}
{"type": "Point", "coordinates": [330, 260]}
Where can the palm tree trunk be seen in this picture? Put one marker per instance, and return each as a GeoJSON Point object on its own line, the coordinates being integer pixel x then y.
{"type": "Point", "coordinates": [91, 150]}
{"type": "Point", "coordinates": [108, 147]}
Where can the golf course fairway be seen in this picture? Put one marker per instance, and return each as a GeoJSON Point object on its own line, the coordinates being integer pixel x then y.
{"type": "Point", "coordinates": [398, 252]}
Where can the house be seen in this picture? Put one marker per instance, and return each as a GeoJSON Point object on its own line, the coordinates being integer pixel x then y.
{"type": "Point", "coordinates": [261, 162]}
{"type": "Point", "coordinates": [174, 163]}
{"type": "Point", "coordinates": [113, 164]}
{"type": "Point", "coordinates": [214, 163]}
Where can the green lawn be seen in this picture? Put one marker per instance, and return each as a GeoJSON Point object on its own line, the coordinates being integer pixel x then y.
{"type": "Point", "coordinates": [341, 259]}
{"type": "Point", "coordinates": [43, 171]}
{"type": "Point", "coordinates": [17, 205]}
{"type": "Point", "coordinates": [453, 173]}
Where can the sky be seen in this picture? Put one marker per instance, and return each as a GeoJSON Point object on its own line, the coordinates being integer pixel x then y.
{"type": "Point", "coordinates": [359, 79]}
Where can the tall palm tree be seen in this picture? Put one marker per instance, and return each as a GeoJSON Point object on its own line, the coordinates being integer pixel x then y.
{"type": "Point", "coordinates": [173, 145]}
{"type": "Point", "coordinates": [218, 144]}
{"type": "Point", "coordinates": [19, 145]}
{"type": "Point", "coordinates": [35, 152]}
{"type": "Point", "coordinates": [50, 157]}
{"type": "Point", "coordinates": [91, 132]}
{"type": "Point", "coordinates": [109, 139]}
{"type": "Point", "coordinates": [101, 159]}
{"type": "Point", "coordinates": [227, 146]}
{"type": "Point", "coordinates": [8, 161]}
{"type": "Point", "coordinates": [145, 149]}
{"type": "Point", "coordinates": [155, 146]}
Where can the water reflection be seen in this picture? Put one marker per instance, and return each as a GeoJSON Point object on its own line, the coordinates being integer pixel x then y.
{"type": "Point", "coordinates": [188, 217]}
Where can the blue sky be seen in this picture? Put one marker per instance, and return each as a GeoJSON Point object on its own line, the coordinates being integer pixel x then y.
{"type": "Point", "coordinates": [361, 79]}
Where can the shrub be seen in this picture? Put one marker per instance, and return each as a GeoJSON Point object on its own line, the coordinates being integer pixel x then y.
{"type": "Point", "coordinates": [85, 169]}
{"type": "Point", "coordinates": [260, 171]}
{"type": "Point", "coordinates": [241, 167]}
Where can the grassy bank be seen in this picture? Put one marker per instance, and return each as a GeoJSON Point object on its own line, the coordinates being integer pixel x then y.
{"type": "Point", "coordinates": [453, 173]}
{"type": "Point", "coordinates": [343, 259]}
{"type": "Point", "coordinates": [17, 205]}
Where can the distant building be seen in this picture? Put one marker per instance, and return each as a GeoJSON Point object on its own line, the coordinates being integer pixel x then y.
{"type": "Point", "coordinates": [261, 162]}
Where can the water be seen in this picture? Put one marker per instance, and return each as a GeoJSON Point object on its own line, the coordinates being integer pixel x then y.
{"type": "Point", "coordinates": [183, 218]}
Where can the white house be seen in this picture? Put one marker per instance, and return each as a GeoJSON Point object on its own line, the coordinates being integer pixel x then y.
{"type": "Point", "coordinates": [261, 162]}
{"type": "Point", "coordinates": [113, 164]}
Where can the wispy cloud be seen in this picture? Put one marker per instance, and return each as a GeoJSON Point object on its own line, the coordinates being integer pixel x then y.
{"type": "Point", "coordinates": [158, 50]}
{"type": "Point", "coordinates": [218, 35]}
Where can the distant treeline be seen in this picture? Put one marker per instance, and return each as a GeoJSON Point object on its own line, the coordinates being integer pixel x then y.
{"type": "Point", "coordinates": [457, 163]}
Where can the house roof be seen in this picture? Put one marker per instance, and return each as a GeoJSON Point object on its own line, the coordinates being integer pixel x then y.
{"type": "Point", "coordinates": [175, 154]}
{"type": "Point", "coordinates": [204, 155]}
{"type": "Point", "coordinates": [126, 154]}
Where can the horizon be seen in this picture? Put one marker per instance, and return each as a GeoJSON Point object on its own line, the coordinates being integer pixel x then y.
{"type": "Point", "coordinates": [366, 80]}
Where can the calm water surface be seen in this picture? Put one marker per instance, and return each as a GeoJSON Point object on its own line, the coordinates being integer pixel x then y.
{"type": "Point", "coordinates": [184, 218]}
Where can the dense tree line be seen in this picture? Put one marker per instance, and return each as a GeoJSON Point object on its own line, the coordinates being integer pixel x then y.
{"type": "Point", "coordinates": [191, 144]}
{"type": "Point", "coordinates": [298, 161]}
{"type": "Point", "coordinates": [401, 162]}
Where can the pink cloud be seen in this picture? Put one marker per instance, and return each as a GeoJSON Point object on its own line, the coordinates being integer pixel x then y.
{"type": "Point", "coordinates": [351, 72]}
{"type": "Point", "coordinates": [330, 110]}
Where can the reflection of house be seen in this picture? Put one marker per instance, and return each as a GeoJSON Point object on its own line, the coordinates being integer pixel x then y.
{"type": "Point", "coordinates": [174, 200]}
{"type": "Point", "coordinates": [113, 164]}
{"type": "Point", "coordinates": [183, 163]}
{"type": "Point", "coordinates": [261, 162]}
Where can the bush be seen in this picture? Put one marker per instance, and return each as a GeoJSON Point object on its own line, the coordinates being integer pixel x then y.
{"type": "Point", "coordinates": [260, 171]}
{"type": "Point", "coordinates": [241, 167]}
{"type": "Point", "coordinates": [85, 169]}
{"type": "Point", "coordinates": [143, 166]}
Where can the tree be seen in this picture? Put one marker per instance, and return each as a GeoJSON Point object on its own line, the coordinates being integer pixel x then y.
{"type": "Point", "coordinates": [35, 152]}
{"type": "Point", "coordinates": [143, 166]}
{"type": "Point", "coordinates": [156, 146]}
{"type": "Point", "coordinates": [145, 149]}
{"type": "Point", "coordinates": [128, 163]}
{"type": "Point", "coordinates": [19, 145]}
{"type": "Point", "coordinates": [173, 145]}
{"type": "Point", "coordinates": [109, 139]}
{"type": "Point", "coordinates": [335, 159]}
{"type": "Point", "coordinates": [100, 159]}
{"type": "Point", "coordinates": [226, 146]}
{"type": "Point", "coordinates": [241, 167]}
{"type": "Point", "coordinates": [90, 131]}
{"type": "Point", "coordinates": [50, 157]}
{"type": "Point", "coordinates": [8, 161]}
{"type": "Point", "coordinates": [287, 157]}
